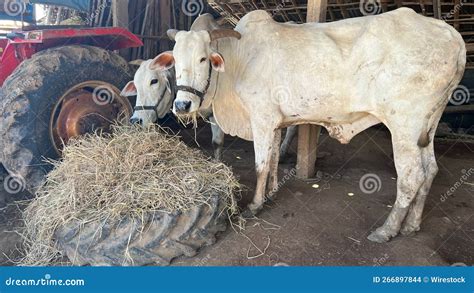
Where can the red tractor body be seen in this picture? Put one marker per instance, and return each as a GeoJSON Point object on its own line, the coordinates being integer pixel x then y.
{"type": "Point", "coordinates": [79, 79]}
{"type": "Point", "coordinates": [21, 45]}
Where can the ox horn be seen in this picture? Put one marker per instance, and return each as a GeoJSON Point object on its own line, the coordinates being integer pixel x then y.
{"type": "Point", "coordinates": [137, 62]}
{"type": "Point", "coordinates": [172, 34]}
{"type": "Point", "coordinates": [224, 33]}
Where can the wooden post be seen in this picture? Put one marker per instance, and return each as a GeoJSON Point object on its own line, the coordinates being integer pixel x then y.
{"type": "Point", "coordinates": [457, 7]}
{"type": "Point", "coordinates": [120, 13]}
{"type": "Point", "coordinates": [308, 135]}
{"type": "Point", "coordinates": [437, 9]}
{"type": "Point", "coordinates": [166, 22]}
{"type": "Point", "coordinates": [317, 10]}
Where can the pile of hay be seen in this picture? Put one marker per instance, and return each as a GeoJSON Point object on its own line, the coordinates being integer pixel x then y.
{"type": "Point", "coordinates": [131, 172]}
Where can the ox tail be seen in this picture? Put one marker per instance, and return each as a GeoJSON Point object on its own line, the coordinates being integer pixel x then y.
{"type": "Point", "coordinates": [430, 122]}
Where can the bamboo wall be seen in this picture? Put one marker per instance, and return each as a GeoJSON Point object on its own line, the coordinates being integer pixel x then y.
{"type": "Point", "coordinates": [150, 19]}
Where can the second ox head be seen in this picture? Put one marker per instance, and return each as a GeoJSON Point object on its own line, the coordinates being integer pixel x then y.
{"type": "Point", "coordinates": [194, 59]}
{"type": "Point", "coordinates": [154, 93]}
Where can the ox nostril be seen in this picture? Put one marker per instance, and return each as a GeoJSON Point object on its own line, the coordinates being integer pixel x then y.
{"type": "Point", "coordinates": [183, 106]}
{"type": "Point", "coordinates": [187, 106]}
{"type": "Point", "coordinates": [136, 121]}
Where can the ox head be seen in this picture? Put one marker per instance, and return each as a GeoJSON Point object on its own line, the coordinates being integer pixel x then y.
{"type": "Point", "coordinates": [153, 91]}
{"type": "Point", "coordinates": [194, 60]}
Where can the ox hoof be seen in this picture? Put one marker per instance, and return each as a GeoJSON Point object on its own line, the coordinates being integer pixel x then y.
{"type": "Point", "coordinates": [380, 236]}
{"type": "Point", "coordinates": [251, 211]}
{"type": "Point", "coordinates": [409, 230]}
{"type": "Point", "coordinates": [247, 214]}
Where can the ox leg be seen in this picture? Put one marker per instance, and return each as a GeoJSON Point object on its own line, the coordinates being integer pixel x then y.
{"type": "Point", "coordinates": [414, 217]}
{"type": "Point", "coordinates": [289, 137]}
{"type": "Point", "coordinates": [411, 175]}
{"type": "Point", "coordinates": [217, 138]}
{"type": "Point", "coordinates": [413, 220]}
{"type": "Point", "coordinates": [273, 180]}
{"type": "Point", "coordinates": [263, 153]}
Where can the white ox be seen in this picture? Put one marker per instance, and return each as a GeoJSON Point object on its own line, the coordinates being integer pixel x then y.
{"type": "Point", "coordinates": [397, 68]}
{"type": "Point", "coordinates": [155, 92]}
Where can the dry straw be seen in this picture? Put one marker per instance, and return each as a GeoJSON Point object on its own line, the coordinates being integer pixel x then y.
{"type": "Point", "coordinates": [131, 172]}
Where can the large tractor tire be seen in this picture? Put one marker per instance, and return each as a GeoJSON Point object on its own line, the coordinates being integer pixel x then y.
{"type": "Point", "coordinates": [154, 240]}
{"type": "Point", "coordinates": [57, 94]}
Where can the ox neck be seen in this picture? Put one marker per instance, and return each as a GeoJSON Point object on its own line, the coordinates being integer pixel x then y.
{"type": "Point", "coordinates": [221, 83]}
{"type": "Point", "coordinates": [169, 97]}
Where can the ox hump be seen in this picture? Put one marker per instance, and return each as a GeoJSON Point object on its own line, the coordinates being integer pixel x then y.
{"type": "Point", "coordinates": [252, 17]}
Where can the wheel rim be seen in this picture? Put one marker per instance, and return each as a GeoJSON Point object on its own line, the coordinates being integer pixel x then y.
{"type": "Point", "coordinates": [85, 108]}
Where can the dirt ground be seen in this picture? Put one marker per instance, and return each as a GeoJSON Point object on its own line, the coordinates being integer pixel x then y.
{"type": "Point", "coordinates": [325, 221]}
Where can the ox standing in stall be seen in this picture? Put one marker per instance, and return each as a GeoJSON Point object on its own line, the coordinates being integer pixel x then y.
{"type": "Point", "coordinates": [397, 68]}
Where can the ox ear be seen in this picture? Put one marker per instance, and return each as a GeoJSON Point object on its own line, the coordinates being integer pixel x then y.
{"type": "Point", "coordinates": [162, 62]}
{"type": "Point", "coordinates": [217, 62]}
{"type": "Point", "coordinates": [129, 90]}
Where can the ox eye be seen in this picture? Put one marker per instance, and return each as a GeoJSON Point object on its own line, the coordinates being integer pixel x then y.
{"type": "Point", "coordinates": [154, 81]}
{"type": "Point", "coordinates": [203, 59]}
